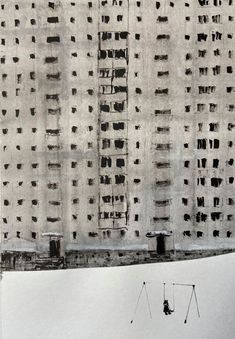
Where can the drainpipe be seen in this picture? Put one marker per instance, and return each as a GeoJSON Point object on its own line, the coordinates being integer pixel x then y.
{"type": "Point", "coordinates": [173, 238]}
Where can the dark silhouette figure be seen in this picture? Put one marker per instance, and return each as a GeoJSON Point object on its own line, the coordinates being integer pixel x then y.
{"type": "Point", "coordinates": [166, 308]}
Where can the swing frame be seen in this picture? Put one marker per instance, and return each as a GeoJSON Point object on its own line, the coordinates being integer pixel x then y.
{"type": "Point", "coordinates": [190, 300]}
{"type": "Point", "coordinates": [138, 300]}
{"type": "Point", "coordinates": [144, 289]}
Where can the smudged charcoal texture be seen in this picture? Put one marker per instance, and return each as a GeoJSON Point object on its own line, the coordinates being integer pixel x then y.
{"type": "Point", "coordinates": [115, 123]}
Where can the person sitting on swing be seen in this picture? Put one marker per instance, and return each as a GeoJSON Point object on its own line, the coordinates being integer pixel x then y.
{"type": "Point", "coordinates": [166, 308]}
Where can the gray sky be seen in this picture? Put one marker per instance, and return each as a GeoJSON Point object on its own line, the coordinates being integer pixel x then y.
{"type": "Point", "coordinates": [99, 303]}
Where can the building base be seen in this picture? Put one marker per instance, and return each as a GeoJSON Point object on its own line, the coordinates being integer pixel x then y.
{"type": "Point", "coordinates": [29, 261]}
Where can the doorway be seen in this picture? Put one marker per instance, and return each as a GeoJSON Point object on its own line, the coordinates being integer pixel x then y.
{"type": "Point", "coordinates": [161, 244]}
{"type": "Point", "coordinates": [55, 248]}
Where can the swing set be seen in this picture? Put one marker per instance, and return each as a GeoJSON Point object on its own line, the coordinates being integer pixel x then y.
{"type": "Point", "coordinates": [166, 307]}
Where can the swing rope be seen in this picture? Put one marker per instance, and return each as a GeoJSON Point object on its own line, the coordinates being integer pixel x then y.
{"type": "Point", "coordinates": [173, 294]}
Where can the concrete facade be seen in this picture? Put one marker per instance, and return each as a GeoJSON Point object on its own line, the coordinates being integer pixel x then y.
{"type": "Point", "coordinates": [117, 118]}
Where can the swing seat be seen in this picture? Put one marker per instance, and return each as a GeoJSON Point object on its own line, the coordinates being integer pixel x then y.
{"type": "Point", "coordinates": [168, 312]}
{"type": "Point", "coordinates": [166, 308]}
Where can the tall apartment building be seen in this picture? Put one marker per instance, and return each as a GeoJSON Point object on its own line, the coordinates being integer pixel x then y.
{"type": "Point", "coordinates": [117, 119]}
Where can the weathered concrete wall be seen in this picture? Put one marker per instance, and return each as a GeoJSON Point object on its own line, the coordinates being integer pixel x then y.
{"type": "Point", "coordinates": [25, 261]}
{"type": "Point", "coordinates": [117, 119]}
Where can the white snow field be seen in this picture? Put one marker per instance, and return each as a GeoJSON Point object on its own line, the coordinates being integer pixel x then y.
{"type": "Point", "coordinates": [98, 303]}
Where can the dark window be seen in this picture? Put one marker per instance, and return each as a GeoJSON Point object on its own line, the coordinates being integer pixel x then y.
{"type": "Point", "coordinates": [215, 163]}
{"type": "Point", "coordinates": [230, 201]}
{"type": "Point", "coordinates": [216, 201]}
{"type": "Point", "coordinates": [53, 39]}
{"type": "Point", "coordinates": [53, 19]}
{"type": "Point", "coordinates": [201, 217]}
{"type": "Point", "coordinates": [215, 233]}
{"type": "Point", "coordinates": [201, 163]}
{"type": "Point", "coordinates": [118, 125]}
{"type": "Point", "coordinates": [199, 234]}
{"type": "Point", "coordinates": [200, 202]}
{"type": "Point", "coordinates": [230, 217]}
{"type": "Point", "coordinates": [51, 60]}
{"type": "Point", "coordinates": [187, 233]}
{"type": "Point", "coordinates": [215, 216]}
{"type": "Point", "coordinates": [229, 233]}
{"type": "Point", "coordinates": [216, 182]}
{"type": "Point", "coordinates": [201, 143]}
{"type": "Point", "coordinates": [119, 179]}
{"type": "Point", "coordinates": [185, 201]}
{"type": "Point", "coordinates": [106, 162]}
{"type": "Point", "coordinates": [187, 217]}
{"type": "Point", "coordinates": [231, 180]}
{"type": "Point", "coordinates": [120, 162]}
{"type": "Point", "coordinates": [34, 235]}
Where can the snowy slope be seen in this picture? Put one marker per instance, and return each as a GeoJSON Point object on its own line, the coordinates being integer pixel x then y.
{"type": "Point", "coordinates": [99, 303]}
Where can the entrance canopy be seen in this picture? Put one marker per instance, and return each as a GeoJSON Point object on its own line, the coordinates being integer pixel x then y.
{"type": "Point", "coordinates": [52, 234]}
{"type": "Point", "coordinates": [153, 234]}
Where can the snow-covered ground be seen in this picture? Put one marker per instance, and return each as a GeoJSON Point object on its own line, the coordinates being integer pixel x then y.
{"type": "Point", "coordinates": [98, 303]}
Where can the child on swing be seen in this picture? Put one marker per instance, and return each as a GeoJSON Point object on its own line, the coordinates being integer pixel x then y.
{"type": "Point", "coordinates": [166, 308]}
